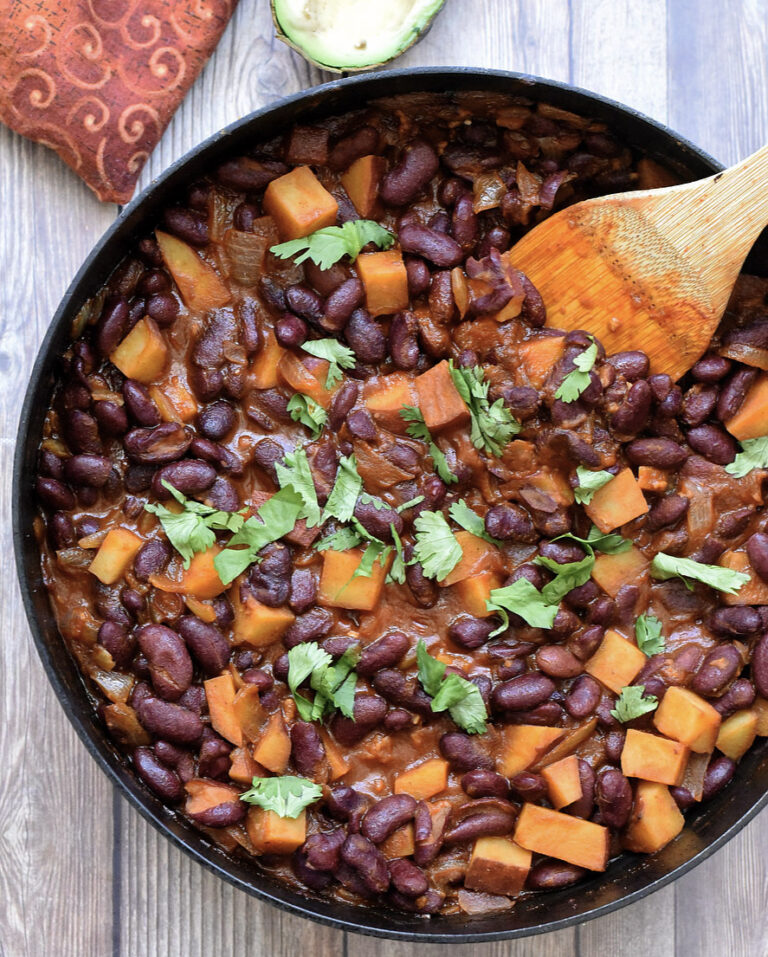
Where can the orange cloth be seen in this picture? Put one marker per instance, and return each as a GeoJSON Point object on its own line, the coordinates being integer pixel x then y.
{"type": "Point", "coordinates": [98, 80]}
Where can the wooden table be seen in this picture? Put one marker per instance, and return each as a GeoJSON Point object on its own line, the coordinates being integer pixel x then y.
{"type": "Point", "coordinates": [81, 874]}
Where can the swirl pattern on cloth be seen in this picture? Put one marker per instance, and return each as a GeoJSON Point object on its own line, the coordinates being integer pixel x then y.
{"type": "Point", "coordinates": [98, 80]}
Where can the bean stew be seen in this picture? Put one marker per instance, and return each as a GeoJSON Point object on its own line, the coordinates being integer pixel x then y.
{"type": "Point", "coordinates": [374, 576]}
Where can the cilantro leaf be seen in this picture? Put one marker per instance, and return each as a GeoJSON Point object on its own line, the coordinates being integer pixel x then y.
{"type": "Point", "coordinates": [435, 545]}
{"type": "Point", "coordinates": [492, 425]}
{"type": "Point", "coordinates": [303, 408]}
{"type": "Point", "coordinates": [431, 671]}
{"type": "Point", "coordinates": [338, 355]}
{"type": "Point", "coordinates": [410, 503]}
{"type": "Point", "coordinates": [470, 521]}
{"type": "Point", "coordinates": [649, 637]}
{"type": "Point", "coordinates": [524, 599]}
{"type": "Point", "coordinates": [610, 543]}
{"type": "Point", "coordinates": [294, 473]}
{"type": "Point", "coordinates": [632, 702]}
{"type": "Point", "coordinates": [374, 551]}
{"type": "Point", "coordinates": [334, 684]}
{"type": "Point", "coordinates": [723, 579]}
{"type": "Point", "coordinates": [418, 430]}
{"type": "Point", "coordinates": [568, 575]}
{"type": "Point", "coordinates": [753, 455]}
{"type": "Point", "coordinates": [346, 489]}
{"type": "Point", "coordinates": [451, 693]}
{"type": "Point", "coordinates": [397, 571]}
{"type": "Point", "coordinates": [328, 245]}
{"type": "Point", "coordinates": [577, 381]}
{"type": "Point", "coordinates": [340, 541]}
{"type": "Point", "coordinates": [589, 483]}
{"type": "Point", "coordinates": [191, 530]}
{"type": "Point", "coordinates": [287, 795]}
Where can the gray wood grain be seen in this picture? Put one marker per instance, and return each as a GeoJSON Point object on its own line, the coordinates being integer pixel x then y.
{"type": "Point", "coordinates": [80, 872]}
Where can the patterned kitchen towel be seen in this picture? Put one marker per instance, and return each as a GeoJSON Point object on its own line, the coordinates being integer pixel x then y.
{"type": "Point", "coordinates": [99, 80]}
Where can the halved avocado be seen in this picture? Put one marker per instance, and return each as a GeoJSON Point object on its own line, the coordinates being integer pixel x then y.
{"type": "Point", "coordinates": [350, 35]}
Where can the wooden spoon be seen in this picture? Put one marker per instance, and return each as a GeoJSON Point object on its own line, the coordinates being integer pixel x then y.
{"type": "Point", "coordinates": [650, 270]}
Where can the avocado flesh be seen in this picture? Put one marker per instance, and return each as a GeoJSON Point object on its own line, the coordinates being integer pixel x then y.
{"type": "Point", "coordinates": [353, 34]}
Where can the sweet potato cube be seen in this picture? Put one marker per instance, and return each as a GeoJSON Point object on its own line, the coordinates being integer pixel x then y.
{"type": "Point", "coordinates": [299, 204]}
{"type": "Point", "coordinates": [220, 694]}
{"type": "Point", "coordinates": [361, 181]}
{"type": "Point", "coordinates": [751, 420]}
{"type": "Point", "coordinates": [174, 401]}
{"type": "Point", "coordinates": [652, 480]}
{"type": "Point", "coordinates": [256, 624]}
{"type": "Point", "coordinates": [616, 661]}
{"type": "Point", "coordinates": [306, 376]}
{"type": "Point", "coordinates": [424, 781]}
{"type": "Point", "coordinates": [201, 578]}
{"type": "Point", "coordinates": [143, 354]}
{"type": "Point", "coordinates": [203, 794]}
{"type": "Point", "coordinates": [474, 592]}
{"type": "Point", "coordinates": [760, 707]}
{"type": "Point", "coordinates": [272, 834]}
{"type": "Point", "coordinates": [737, 734]}
{"type": "Point", "coordinates": [385, 280]}
{"type": "Point", "coordinates": [497, 866]}
{"type": "Point", "coordinates": [264, 367]}
{"type": "Point", "coordinates": [249, 712]}
{"type": "Point", "coordinates": [439, 399]}
{"type": "Point", "coordinates": [538, 357]}
{"type": "Point", "coordinates": [687, 718]}
{"type": "Point", "coordinates": [338, 587]}
{"type": "Point", "coordinates": [655, 819]}
{"type": "Point", "coordinates": [337, 763]}
{"type": "Point", "coordinates": [243, 768]}
{"type": "Point", "coordinates": [115, 554]}
{"type": "Point", "coordinates": [653, 758]}
{"type": "Point", "coordinates": [753, 592]}
{"type": "Point", "coordinates": [198, 282]}
{"type": "Point", "coordinates": [619, 501]}
{"type": "Point", "coordinates": [563, 781]}
{"type": "Point", "coordinates": [274, 746]}
{"type": "Point", "coordinates": [610, 572]}
{"type": "Point", "coordinates": [523, 744]}
{"type": "Point", "coordinates": [399, 844]}
{"type": "Point", "coordinates": [477, 556]}
{"type": "Point", "coordinates": [386, 396]}
{"type": "Point", "coordinates": [559, 835]}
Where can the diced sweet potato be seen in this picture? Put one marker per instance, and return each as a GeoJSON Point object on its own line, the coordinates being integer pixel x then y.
{"type": "Point", "coordinates": [524, 744]}
{"type": "Point", "coordinates": [424, 781]}
{"type": "Point", "coordinates": [143, 353]}
{"type": "Point", "coordinates": [751, 420]}
{"type": "Point", "coordinates": [361, 181]}
{"type": "Point", "coordinates": [174, 401]}
{"type": "Point", "coordinates": [338, 588]}
{"type": "Point", "coordinates": [256, 624]}
{"type": "Point", "coordinates": [399, 844]}
{"type": "Point", "coordinates": [115, 554]}
{"type": "Point", "coordinates": [385, 280]}
{"type": "Point", "coordinates": [753, 592]}
{"type": "Point", "coordinates": [199, 284]}
{"type": "Point", "coordinates": [497, 866]}
{"type": "Point", "coordinates": [619, 501]}
{"type": "Point", "coordinates": [220, 694]}
{"type": "Point", "coordinates": [737, 734]}
{"type": "Point", "coordinates": [203, 794]}
{"type": "Point", "coordinates": [274, 746]}
{"type": "Point", "coordinates": [249, 713]}
{"type": "Point", "coordinates": [566, 838]}
{"type": "Point", "coordinates": [568, 743]}
{"type": "Point", "coordinates": [264, 366]}
{"type": "Point", "coordinates": [299, 204]}
{"type": "Point", "coordinates": [687, 718]}
{"type": "Point", "coordinates": [306, 375]}
{"type": "Point", "coordinates": [616, 661]}
{"type": "Point", "coordinates": [563, 781]}
{"type": "Point", "coordinates": [760, 707]}
{"type": "Point", "coordinates": [655, 819]}
{"type": "Point", "coordinates": [653, 758]}
{"type": "Point", "coordinates": [272, 834]}
{"type": "Point", "coordinates": [201, 578]}
{"type": "Point", "coordinates": [439, 400]}
{"type": "Point", "coordinates": [474, 592]}
{"type": "Point", "coordinates": [477, 556]}
{"type": "Point", "coordinates": [337, 763]}
{"type": "Point", "coordinates": [243, 768]}
{"type": "Point", "coordinates": [538, 357]}
{"type": "Point", "coordinates": [386, 395]}
{"type": "Point", "coordinates": [652, 480]}
{"type": "Point", "coordinates": [610, 572]}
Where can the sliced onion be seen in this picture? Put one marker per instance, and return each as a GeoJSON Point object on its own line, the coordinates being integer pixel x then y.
{"type": "Point", "coordinates": [750, 355]}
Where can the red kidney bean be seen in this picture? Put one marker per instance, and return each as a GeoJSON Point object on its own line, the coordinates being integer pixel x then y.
{"type": "Point", "coordinates": [110, 417]}
{"type": "Point", "coordinates": [365, 858]}
{"type": "Point", "coordinates": [386, 816]}
{"type": "Point", "coordinates": [140, 406]}
{"type": "Point", "coordinates": [760, 666]}
{"type": "Point", "coordinates": [345, 804]}
{"type": "Point", "coordinates": [659, 452]}
{"type": "Point", "coordinates": [565, 623]}
{"type": "Point", "coordinates": [698, 404]}
{"type": "Point", "coordinates": [156, 280]}
{"type": "Point", "coordinates": [291, 331]}
{"type": "Point", "coordinates": [614, 797]}
{"type": "Point", "coordinates": [558, 662]}
{"type": "Point", "coordinates": [54, 494]}
{"type": "Point", "coordinates": [482, 782]}
{"type": "Point", "coordinates": [757, 551]}
{"type": "Point", "coordinates": [711, 368]}
{"type": "Point", "coordinates": [424, 590]}
{"type": "Point", "coordinates": [510, 522]}
{"type": "Point", "coordinates": [407, 878]}
{"type": "Point", "coordinates": [118, 642]}
{"type": "Point", "coordinates": [497, 237]}
{"type": "Point", "coordinates": [738, 621]}
{"type": "Point", "coordinates": [307, 748]}
{"type": "Point", "coordinates": [261, 679]}
{"type": "Point", "coordinates": [148, 250]}
{"type": "Point", "coordinates": [632, 365]}
{"type": "Point", "coordinates": [163, 308]}
{"type": "Point", "coordinates": [190, 477]}
{"type": "Point", "coordinates": [584, 806]}
{"type": "Point", "coordinates": [740, 695]}
{"type": "Point", "coordinates": [382, 653]}
{"type": "Point", "coordinates": [249, 175]}
{"type": "Point", "coordinates": [418, 276]}
{"type": "Point", "coordinates": [733, 392]}
{"type": "Point", "coordinates": [713, 443]}
{"type": "Point", "coordinates": [159, 445]}
{"type": "Point", "coordinates": [226, 814]}
{"type": "Point", "coordinates": [341, 303]}
{"type": "Point", "coordinates": [269, 581]}
{"type": "Point", "coordinates": [415, 168]}
{"type": "Point", "coordinates": [369, 711]}
{"type": "Point", "coordinates": [303, 590]}
{"type": "Point", "coordinates": [397, 719]}
{"type": "Point", "coordinates": [187, 225]}
{"type": "Point", "coordinates": [490, 823]}
{"type": "Point", "coordinates": [435, 247]}
{"type": "Point", "coordinates": [550, 875]}
{"type": "Point", "coordinates": [208, 645]}
{"type": "Point", "coordinates": [169, 721]}
{"type": "Point", "coordinates": [205, 383]}
{"type": "Point", "coordinates": [61, 530]}
{"type": "Point", "coordinates": [169, 663]}
{"type": "Point", "coordinates": [470, 633]}
{"type": "Point", "coordinates": [440, 221]}
{"type": "Point", "coordinates": [378, 520]}
{"type": "Point", "coordinates": [112, 326]}
{"type": "Point", "coordinates": [169, 754]}
{"type": "Point", "coordinates": [323, 850]}
{"type": "Point", "coordinates": [394, 686]}
{"type": "Point", "coordinates": [213, 761]}
{"type": "Point", "coordinates": [464, 222]}
{"type": "Point", "coordinates": [216, 421]}
{"type": "Point", "coordinates": [305, 303]}
{"type": "Point", "coordinates": [364, 141]}
{"type": "Point", "coordinates": [82, 432]}
{"type": "Point", "coordinates": [403, 341]}
{"type": "Point", "coordinates": [463, 753]}
{"type": "Point", "coordinates": [361, 425]}
{"type": "Point", "coordinates": [280, 668]}
{"type": "Point", "coordinates": [583, 697]}
{"type": "Point", "coordinates": [562, 552]}
{"type": "Point", "coordinates": [441, 304]}
{"type": "Point", "coordinates": [151, 559]}
{"type": "Point", "coordinates": [365, 337]}
{"type": "Point", "coordinates": [51, 465]}
{"type": "Point", "coordinates": [601, 612]}
{"type": "Point", "coordinates": [309, 627]}
{"type": "Point", "coordinates": [341, 404]}
{"type": "Point", "coordinates": [160, 779]}
{"type": "Point", "coordinates": [718, 774]}
{"type": "Point", "coordinates": [523, 693]}
{"type": "Point", "coordinates": [683, 798]}
{"type": "Point", "coordinates": [582, 596]}
{"type": "Point", "coordinates": [133, 601]}
{"type": "Point", "coordinates": [633, 413]}
{"type": "Point", "coordinates": [666, 511]}
{"type": "Point", "coordinates": [614, 745]}
{"type": "Point", "coordinates": [720, 666]}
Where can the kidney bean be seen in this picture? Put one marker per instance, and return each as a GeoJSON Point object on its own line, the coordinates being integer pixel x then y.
{"type": "Point", "coordinates": [187, 225]}
{"type": "Point", "coordinates": [584, 806]}
{"type": "Point", "coordinates": [205, 383]}
{"type": "Point", "coordinates": [365, 337]}
{"type": "Point", "coordinates": [711, 368]}
{"type": "Point", "coordinates": [291, 331]}
{"type": "Point", "coordinates": [490, 823]}
{"type": "Point", "coordinates": [110, 417]}
{"type": "Point", "coordinates": [307, 748]}
{"type": "Point", "coordinates": [713, 443]}
{"type": "Point", "coordinates": [151, 559]}
{"type": "Point", "coordinates": [464, 222]}
{"type": "Point", "coordinates": [133, 601]}
{"type": "Point", "coordinates": [404, 181]}
{"type": "Point", "coordinates": [757, 551]}
{"type": "Point", "coordinates": [463, 753]}
{"type": "Point", "coordinates": [424, 590]}
{"type": "Point", "coordinates": [386, 816]}
{"type": "Point", "coordinates": [733, 392]}
{"type": "Point", "coordinates": [739, 696]}
{"type": "Point", "coordinates": [163, 308]}
{"type": "Point", "coordinates": [718, 669]}
{"type": "Point", "coordinates": [659, 452]}
{"type": "Point", "coordinates": [377, 520]}
{"type": "Point", "coordinates": [397, 719]}
{"type": "Point", "coordinates": [169, 663]}
{"type": "Point", "coordinates": [738, 621]}
{"type": "Point", "coordinates": [159, 445]}
{"type": "Point", "coordinates": [51, 465]}
{"type": "Point", "coordinates": [394, 686]}
{"type": "Point", "coordinates": [364, 141]}
{"type": "Point", "coordinates": [170, 721]}
{"type": "Point", "coordinates": [309, 627]}
{"type": "Point", "coordinates": [760, 665]}
{"type": "Point", "coordinates": [470, 633]}
{"type": "Point", "coordinates": [209, 646]}
{"type": "Point", "coordinates": [369, 711]}
{"type": "Point", "coordinates": [341, 404]}
{"type": "Point", "coordinates": [510, 522]}
{"type": "Point", "coordinates": [303, 590]}
{"type": "Point", "coordinates": [61, 530]}
{"type": "Point", "coordinates": [117, 641]}
{"type": "Point", "coordinates": [403, 341]}
{"type": "Point", "coordinates": [269, 581]}
{"type": "Point", "coordinates": [683, 798]}
{"type": "Point", "coordinates": [698, 404]}
{"type": "Point", "coordinates": [305, 303]}
{"type": "Point", "coordinates": [323, 850]}
{"type": "Point", "coordinates": [54, 494]}
{"type": "Point", "coordinates": [562, 552]}
{"type": "Point", "coordinates": [632, 365]}
{"type": "Point", "coordinates": [558, 662]}
{"type": "Point", "coordinates": [522, 693]}
{"type": "Point", "coordinates": [112, 326]}
{"type": "Point", "coordinates": [382, 653]}
{"type": "Point", "coordinates": [550, 875]}
{"type": "Point", "coordinates": [361, 426]}
{"type": "Point", "coordinates": [718, 774]}
{"type": "Point", "coordinates": [435, 247]}
{"type": "Point", "coordinates": [365, 858]}
{"type": "Point", "coordinates": [613, 793]}
{"type": "Point", "coordinates": [140, 406]}
{"type": "Point", "coordinates": [345, 804]}
{"type": "Point", "coordinates": [190, 477]}
{"type": "Point", "coordinates": [632, 415]}
{"type": "Point", "coordinates": [583, 697]}
{"type": "Point", "coordinates": [341, 303]}
{"type": "Point", "coordinates": [418, 276]}
{"type": "Point", "coordinates": [213, 760]}
{"type": "Point", "coordinates": [407, 878]}
{"type": "Point", "coordinates": [666, 511]}
{"type": "Point", "coordinates": [216, 421]}
{"type": "Point", "coordinates": [482, 782]}
{"type": "Point", "coordinates": [82, 432]}
{"type": "Point", "coordinates": [160, 779]}
{"type": "Point", "coordinates": [441, 304]}
{"type": "Point", "coordinates": [226, 814]}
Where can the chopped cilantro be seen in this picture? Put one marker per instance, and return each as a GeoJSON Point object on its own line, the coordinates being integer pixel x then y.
{"type": "Point", "coordinates": [632, 703]}
{"type": "Point", "coordinates": [578, 381]}
{"type": "Point", "coordinates": [303, 408]}
{"type": "Point", "coordinates": [417, 429]}
{"type": "Point", "coordinates": [493, 426]}
{"type": "Point", "coordinates": [723, 579]}
{"type": "Point", "coordinates": [328, 245]}
{"type": "Point", "coordinates": [287, 795]}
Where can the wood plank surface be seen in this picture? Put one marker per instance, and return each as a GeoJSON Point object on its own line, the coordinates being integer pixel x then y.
{"type": "Point", "coordinates": [80, 872]}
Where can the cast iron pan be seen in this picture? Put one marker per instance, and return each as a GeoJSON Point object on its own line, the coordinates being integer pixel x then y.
{"type": "Point", "coordinates": [629, 877]}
